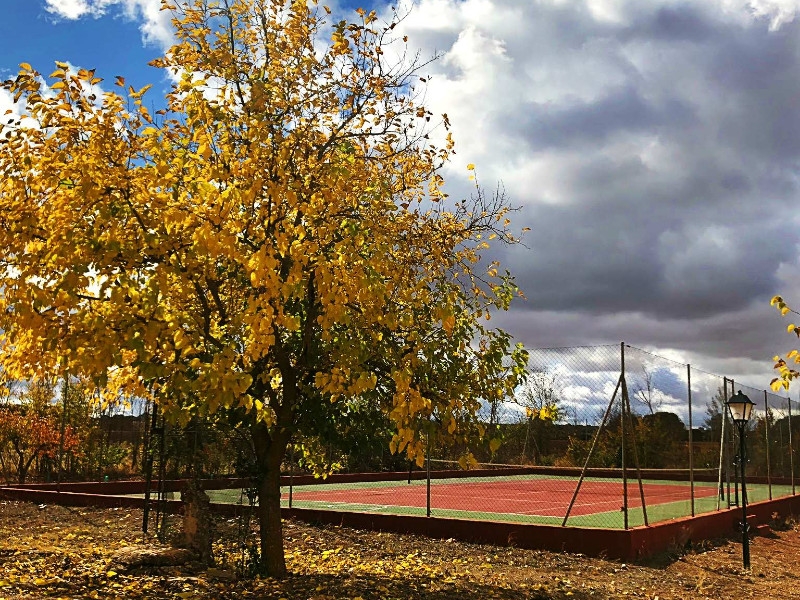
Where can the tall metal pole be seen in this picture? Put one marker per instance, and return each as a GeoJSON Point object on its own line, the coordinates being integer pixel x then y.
{"type": "Point", "coordinates": [591, 452]}
{"type": "Point", "coordinates": [64, 393]}
{"type": "Point", "coordinates": [722, 461]}
{"type": "Point", "coordinates": [766, 439]}
{"type": "Point", "coordinates": [148, 467]}
{"type": "Point", "coordinates": [691, 445]}
{"type": "Point", "coordinates": [622, 435]}
{"type": "Point", "coordinates": [745, 526]}
{"type": "Point", "coordinates": [791, 448]}
{"type": "Point", "coordinates": [735, 471]}
{"type": "Point", "coordinates": [291, 475]}
{"type": "Point", "coordinates": [428, 470]}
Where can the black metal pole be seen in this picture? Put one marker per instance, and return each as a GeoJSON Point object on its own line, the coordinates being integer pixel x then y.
{"type": "Point", "coordinates": [745, 527]}
{"type": "Point", "coordinates": [622, 438]}
{"type": "Point", "coordinates": [291, 476]}
{"type": "Point", "coordinates": [428, 471]}
{"type": "Point", "coordinates": [691, 439]}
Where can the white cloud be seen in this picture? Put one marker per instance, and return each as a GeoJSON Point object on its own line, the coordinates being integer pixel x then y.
{"type": "Point", "coordinates": [779, 12]}
{"type": "Point", "coordinates": [75, 9]}
{"type": "Point", "coordinates": [154, 23]}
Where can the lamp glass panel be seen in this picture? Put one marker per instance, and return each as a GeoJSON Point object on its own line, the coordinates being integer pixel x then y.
{"type": "Point", "coordinates": [741, 407]}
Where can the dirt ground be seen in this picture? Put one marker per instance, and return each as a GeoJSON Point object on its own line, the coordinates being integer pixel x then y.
{"type": "Point", "coordinates": [58, 552]}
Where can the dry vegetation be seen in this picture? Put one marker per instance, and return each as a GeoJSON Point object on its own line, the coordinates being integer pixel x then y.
{"type": "Point", "coordinates": [58, 552]}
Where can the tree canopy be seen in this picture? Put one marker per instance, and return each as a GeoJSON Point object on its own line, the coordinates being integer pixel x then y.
{"type": "Point", "coordinates": [276, 243]}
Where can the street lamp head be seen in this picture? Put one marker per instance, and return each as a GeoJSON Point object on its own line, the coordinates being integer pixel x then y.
{"type": "Point", "coordinates": [740, 406]}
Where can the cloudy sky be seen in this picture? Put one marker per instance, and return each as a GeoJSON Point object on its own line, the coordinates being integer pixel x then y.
{"type": "Point", "coordinates": [653, 147]}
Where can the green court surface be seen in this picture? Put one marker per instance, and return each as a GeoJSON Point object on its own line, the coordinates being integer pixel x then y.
{"type": "Point", "coordinates": [535, 499]}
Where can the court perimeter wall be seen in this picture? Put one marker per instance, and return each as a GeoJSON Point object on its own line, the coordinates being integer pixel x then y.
{"type": "Point", "coordinates": [629, 545]}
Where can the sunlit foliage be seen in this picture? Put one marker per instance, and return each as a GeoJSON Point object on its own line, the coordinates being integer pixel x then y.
{"type": "Point", "coordinates": [275, 243]}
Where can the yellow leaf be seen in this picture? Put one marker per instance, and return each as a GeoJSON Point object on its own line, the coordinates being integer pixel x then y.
{"type": "Point", "coordinates": [790, 328]}
{"type": "Point", "coordinates": [25, 66]}
{"type": "Point", "coordinates": [111, 573]}
{"type": "Point", "coordinates": [471, 167]}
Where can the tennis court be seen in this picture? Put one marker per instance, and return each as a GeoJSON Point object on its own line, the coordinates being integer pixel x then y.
{"type": "Point", "coordinates": [542, 499]}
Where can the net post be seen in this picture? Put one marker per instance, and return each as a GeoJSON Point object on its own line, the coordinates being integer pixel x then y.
{"type": "Point", "coordinates": [766, 439]}
{"type": "Point", "coordinates": [622, 433]}
{"type": "Point", "coordinates": [691, 443]}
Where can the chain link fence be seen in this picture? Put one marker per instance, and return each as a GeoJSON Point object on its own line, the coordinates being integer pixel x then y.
{"type": "Point", "coordinates": [600, 436]}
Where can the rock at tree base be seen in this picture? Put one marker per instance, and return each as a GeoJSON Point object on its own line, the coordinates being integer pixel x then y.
{"type": "Point", "coordinates": [131, 557]}
{"type": "Point", "coordinates": [198, 523]}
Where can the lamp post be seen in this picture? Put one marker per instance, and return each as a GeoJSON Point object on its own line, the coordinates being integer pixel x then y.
{"type": "Point", "coordinates": [740, 407]}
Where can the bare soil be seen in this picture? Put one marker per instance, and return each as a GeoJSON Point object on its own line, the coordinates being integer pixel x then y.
{"type": "Point", "coordinates": [59, 552]}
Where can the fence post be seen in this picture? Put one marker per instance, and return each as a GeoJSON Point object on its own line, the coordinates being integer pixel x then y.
{"type": "Point", "coordinates": [791, 447]}
{"type": "Point", "coordinates": [291, 475]}
{"type": "Point", "coordinates": [627, 401]}
{"type": "Point", "coordinates": [591, 451]}
{"type": "Point", "coordinates": [428, 470]}
{"type": "Point", "coordinates": [766, 438]}
{"type": "Point", "coordinates": [731, 449]}
{"type": "Point", "coordinates": [148, 467]}
{"type": "Point", "coordinates": [64, 393]}
{"type": "Point", "coordinates": [622, 434]}
{"type": "Point", "coordinates": [691, 445]}
{"type": "Point", "coordinates": [724, 420]}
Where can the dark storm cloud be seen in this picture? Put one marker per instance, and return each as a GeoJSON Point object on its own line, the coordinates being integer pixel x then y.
{"type": "Point", "coordinates": [622, 110]}
{"type": "Point", "coordinates": [654, 148]}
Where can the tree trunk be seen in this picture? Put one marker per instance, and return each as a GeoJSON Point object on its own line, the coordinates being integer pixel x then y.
{"type": "Point", "coordinates": [22, 472]}
{"type": "Point", "coordinates": [273, 561]}
{"type": "Point", "coordinates": [22, 468]}
{"type": "Point", "coordinates": [270, 450]}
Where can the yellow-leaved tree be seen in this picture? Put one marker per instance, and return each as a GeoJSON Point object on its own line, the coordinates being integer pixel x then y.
{"type": "Point", "coordinates": [786, 373]}
{"type": "Point", "coordinates": [274, 244]}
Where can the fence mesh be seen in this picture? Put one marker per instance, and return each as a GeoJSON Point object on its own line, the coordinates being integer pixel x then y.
{"type": "Point", "coordinates": [601, 436]}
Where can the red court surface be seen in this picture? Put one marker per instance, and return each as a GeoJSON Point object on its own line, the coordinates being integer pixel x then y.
{"type": "Point", "coordinates": [543, 497]}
